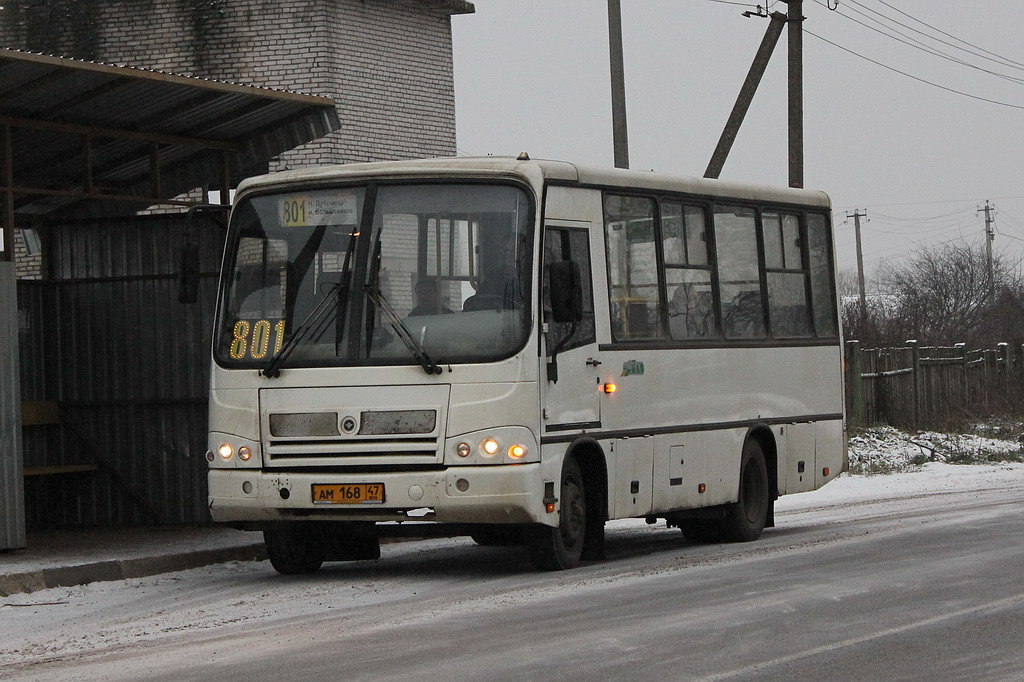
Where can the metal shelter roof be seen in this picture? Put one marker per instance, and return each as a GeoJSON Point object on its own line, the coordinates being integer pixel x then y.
{"type": "Point", "coordinates": [96, 139]}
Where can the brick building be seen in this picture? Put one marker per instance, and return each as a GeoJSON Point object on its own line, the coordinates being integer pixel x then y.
{"type": "Point", "coordinates": [386, 63]}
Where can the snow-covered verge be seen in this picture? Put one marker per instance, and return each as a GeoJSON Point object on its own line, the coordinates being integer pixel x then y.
{"type": "Point", "coordinates": [886, 450]}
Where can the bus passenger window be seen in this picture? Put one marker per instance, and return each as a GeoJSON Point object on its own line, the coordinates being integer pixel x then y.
{"type": "Point", "coordinates": [691, 308]}
{"type": "Point", "coordinates": [632, 267]}
{"type": "Point", "coordinates": [739, 272]}
{"type": "Point", "coordinates": [787, 278]}
{"type": "Point", "coordinates": [822, 296]}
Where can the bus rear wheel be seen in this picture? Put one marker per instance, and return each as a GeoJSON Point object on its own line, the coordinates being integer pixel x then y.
{"type": "Point", "coordinates": [559, 548]}
{"type": "Point", "coordinates": [744, 521]}
{"type": "Point", "coordinates": [292, 551]}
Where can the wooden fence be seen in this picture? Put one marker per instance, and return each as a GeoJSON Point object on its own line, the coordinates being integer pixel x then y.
{"type": "Point", "coordinates": [931, 387]}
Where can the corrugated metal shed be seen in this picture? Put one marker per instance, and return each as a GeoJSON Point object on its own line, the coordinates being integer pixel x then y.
{"type": "Point", "coordinates": [113, 369]}
{"type": "Point", "coordinates": [125, 366]}
{"type": "Point", "coordinates": [77, 132]}
{"type": "Point", "coordinates": [12, 515]}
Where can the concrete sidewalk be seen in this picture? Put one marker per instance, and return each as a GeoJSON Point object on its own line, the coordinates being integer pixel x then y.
{"type": "Point", "coordinates": [77, 557]}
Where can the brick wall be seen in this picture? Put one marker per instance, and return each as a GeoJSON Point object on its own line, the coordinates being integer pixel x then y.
{"type": "Point", "coordinates": [29, 266]}
{"type": "Point", "coordinates": [387, 65]}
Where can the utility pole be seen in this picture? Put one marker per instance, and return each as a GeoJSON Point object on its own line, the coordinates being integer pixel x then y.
{"type": "Point", "coordinates": [990, 235]}
{"type": "Point", "coordinates": [749, 87]}
{"type": "Point", "coordinates": [857, 215]}
{"type": "Point", "coordinates": [796, 93]}
{"type": "Point", "coordinates": [619, 137]}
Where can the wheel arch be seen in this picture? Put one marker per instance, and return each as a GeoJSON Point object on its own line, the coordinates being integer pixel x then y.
{"type": "Point", "coordinates": [594, 465]}
{"type": "Point", "coordinates": [764, 436]}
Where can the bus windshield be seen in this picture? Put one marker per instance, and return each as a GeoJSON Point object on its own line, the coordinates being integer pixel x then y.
{"type": "Point", "coordinates": [377, 274]}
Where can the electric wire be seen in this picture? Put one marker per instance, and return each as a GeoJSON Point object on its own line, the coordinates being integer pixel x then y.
{"type": "Point", "coordinates": [999, 58]}
{"type": "Point", "coordinates": [912, 77]}
{"type": "Point", "coordinates": [918, 45]}
{"type": "Point", "coordinates": [731, 2]}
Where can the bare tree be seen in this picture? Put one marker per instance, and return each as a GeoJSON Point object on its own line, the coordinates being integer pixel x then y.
{"type": "Point", "coordinates": [941, 296]}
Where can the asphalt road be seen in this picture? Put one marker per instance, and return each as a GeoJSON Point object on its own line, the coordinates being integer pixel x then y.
{"type": "Point", "coordinates": [927, 587]}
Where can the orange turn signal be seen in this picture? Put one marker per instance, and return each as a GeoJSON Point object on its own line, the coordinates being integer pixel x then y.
{"type": "Point", "coordinates": [549, 507]}
{"type": "Point", "coordinates": [610, 388]}
{"type": "Point", "coordinates": [701, 487]}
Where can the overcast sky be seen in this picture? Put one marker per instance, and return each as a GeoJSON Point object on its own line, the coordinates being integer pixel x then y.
{"type": "Point", "coordinates": [533, 75]}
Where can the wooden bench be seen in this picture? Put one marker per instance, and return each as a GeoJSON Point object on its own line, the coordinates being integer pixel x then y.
{"type": "Point", "coordinates": [47, 413]}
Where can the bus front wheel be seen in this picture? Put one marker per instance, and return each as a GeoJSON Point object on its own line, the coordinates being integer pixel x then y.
{"type": "Point", "coordinates": [559, 548]}
{"type": "Point", "coordinates": [292, 551]}
{"type": "Point", "coordinates": [744, 521]}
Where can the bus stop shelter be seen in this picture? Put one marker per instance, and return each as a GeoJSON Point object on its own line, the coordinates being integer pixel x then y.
{"type": "Point", "coordinates": [102, 160]}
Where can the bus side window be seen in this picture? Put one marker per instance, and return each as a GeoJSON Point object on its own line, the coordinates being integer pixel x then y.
{"type": "Point", "coordinates": [739, 272]}
{"type": "Point", "coordinates": [822, 295]}
{"type": "Point", "coordinates": [632, 267]}
{"type": "Point", "coordinates": [570, 244]}
{"type": "Point", "coordinates": [688, 270]}
{"type": "Point", "coordinates": [787, 276]}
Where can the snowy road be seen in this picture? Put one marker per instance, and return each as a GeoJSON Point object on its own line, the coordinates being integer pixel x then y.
{"type": "Point", "coordinates": [910, 576]}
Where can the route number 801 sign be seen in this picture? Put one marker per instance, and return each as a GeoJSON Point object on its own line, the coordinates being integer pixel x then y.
{"type": "Point", "coordinates": [256, 340]}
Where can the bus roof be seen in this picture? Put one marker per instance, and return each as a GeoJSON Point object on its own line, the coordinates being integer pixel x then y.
{"type": "Point", "coordinates": [557, 172]}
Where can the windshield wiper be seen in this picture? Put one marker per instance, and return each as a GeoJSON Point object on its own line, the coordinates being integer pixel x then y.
{"type": "Point", "coordinates": [315, 320]}
{"type": "Point", "coordinates": [339, 294]}
{"type": "Point", "coordinates": [403, 333]}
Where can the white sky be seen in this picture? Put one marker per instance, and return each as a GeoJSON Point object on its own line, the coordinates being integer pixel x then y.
{"type": "Point", "coordinates": [533, 75]}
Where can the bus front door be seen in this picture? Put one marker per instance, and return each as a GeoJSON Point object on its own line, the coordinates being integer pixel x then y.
{"type": "Point", "coordinates": [571, 398]}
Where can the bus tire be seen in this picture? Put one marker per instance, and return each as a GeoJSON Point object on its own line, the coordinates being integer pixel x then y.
{"type": "Point", "coordinates": [559, 548]}
{"type": "Point", "coordinates": [292, 551]}
{"type": "Point", "coordinates": [744, 521]}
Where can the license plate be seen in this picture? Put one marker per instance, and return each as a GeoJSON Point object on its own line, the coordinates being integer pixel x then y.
{"type": "Point", "coordinates": [348, 493]}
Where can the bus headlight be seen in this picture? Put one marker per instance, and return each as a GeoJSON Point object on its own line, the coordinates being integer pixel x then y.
{"type": "Point", "coordinates": [496, 445]}
{"type": "Point", "coordinates": [489, 447]}
{"type": "Point", "coordinates": [228, 451]}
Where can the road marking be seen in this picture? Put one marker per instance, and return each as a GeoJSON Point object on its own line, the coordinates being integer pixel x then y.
{"type": "Point", "coordinates": [827, 648]}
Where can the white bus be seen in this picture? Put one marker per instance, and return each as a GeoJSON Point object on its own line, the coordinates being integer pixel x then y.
{"type": "Point", "coordinates": [519, 351]}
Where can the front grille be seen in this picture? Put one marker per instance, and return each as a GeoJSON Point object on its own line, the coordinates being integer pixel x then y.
{"type": "Point", "coordinates": [352, 450]}
{"type": "Point", "coordinates": [353, 426]}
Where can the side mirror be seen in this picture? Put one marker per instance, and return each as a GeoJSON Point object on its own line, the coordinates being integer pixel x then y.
{"type": "Point", "coordinates": [188, 256]}
{"type": "Point", "coordinates": [566, 291]}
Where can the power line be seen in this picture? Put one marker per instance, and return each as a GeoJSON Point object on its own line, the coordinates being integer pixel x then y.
{"type": "Point", "coordinates": [730, 2]}
{"type": "Point", "coordinates": [918, 45]}
{"type": "Point", "coordinates": [840, 209]}
{"type": "Point", "coordinates": [912, 77]}
{"type": "Point", "coordinates": [1000, 58]}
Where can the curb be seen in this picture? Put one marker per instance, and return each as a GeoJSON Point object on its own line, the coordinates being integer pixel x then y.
{"type": "Point", "coordinates": [122, 569]}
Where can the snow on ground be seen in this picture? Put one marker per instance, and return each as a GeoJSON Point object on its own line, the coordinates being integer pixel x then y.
{"type": "Point", "coordinates": [887, 450]}
{"type": "Point", "coordinates": [886, 463]}
{"type": "Point", "coordinates": [62, 621]}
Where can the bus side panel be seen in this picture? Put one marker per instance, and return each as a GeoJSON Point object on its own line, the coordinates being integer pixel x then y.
{"type": "Point", "coordinates": [686, 461]}
{"type": "Point", "coordinates": [829, 440]}
{"type": "Point", "coordinates": [800, 458]}
{"type": "Point", "coordinates": [630, 470]}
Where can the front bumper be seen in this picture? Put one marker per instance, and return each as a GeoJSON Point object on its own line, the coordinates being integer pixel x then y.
{"type": "Point", "coordinates": [467, 494]}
